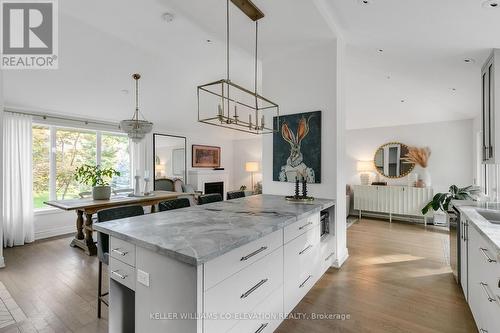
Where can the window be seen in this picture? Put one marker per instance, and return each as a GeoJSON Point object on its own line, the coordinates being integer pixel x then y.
{"type": "Point", "coordinates": [53, 174]}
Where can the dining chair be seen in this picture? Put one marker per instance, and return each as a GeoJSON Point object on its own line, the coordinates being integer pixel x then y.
{"type": "Point", "coordinates": [235, 195]}
{"type": "Point", "coordinates": [209, 198]}
{"type": "Point", "coordinates": [174, 204]}
{"type": "Point", "coordinates": [85, 194]}
{"type": "Point", "coordinates": [103, 242]}
{"type": "Point", "coordinates": [164, 185]}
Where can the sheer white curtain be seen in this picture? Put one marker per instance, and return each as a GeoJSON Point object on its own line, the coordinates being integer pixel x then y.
{"type": "Point", "coordinates": [18, 226]}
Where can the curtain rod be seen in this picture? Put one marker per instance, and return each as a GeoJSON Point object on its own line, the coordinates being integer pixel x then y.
{"type": "Point", "coordinates": [45, 116]}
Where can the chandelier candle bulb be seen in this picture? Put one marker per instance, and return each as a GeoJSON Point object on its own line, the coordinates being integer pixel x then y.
{"type": "Point", "coordinates": [262, 123]}
{"type": "Point", "coordinates": [250, 121]}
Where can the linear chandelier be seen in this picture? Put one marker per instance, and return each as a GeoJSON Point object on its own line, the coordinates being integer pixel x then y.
{"type": "Point", "coordinates": [226, 104]}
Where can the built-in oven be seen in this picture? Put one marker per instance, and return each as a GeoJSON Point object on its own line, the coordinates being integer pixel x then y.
{"type": "Point", "coordinates": [324, 223]}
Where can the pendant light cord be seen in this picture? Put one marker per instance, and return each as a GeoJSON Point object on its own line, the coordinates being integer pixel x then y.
{"type": "Point", "coordinates": [136, 99]}
{"type": "Point", "coordinates": [256, 57]}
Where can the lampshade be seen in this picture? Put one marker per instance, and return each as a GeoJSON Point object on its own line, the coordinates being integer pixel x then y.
{"type": "Point", "coordinates": [251, 166]}
{"type": "Point", "coordinates": [365, 166]}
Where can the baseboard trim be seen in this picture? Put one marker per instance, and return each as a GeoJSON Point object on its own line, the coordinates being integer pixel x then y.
{"type": "Point", "coordinates": [54, 232]}
{"type": "Point", "coordinates": [340, 261]}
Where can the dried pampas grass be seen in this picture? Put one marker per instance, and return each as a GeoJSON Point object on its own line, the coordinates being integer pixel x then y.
{"type": "Point", "coordinates": [419, 156]}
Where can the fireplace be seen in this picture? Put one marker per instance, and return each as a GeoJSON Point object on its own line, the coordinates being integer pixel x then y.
{"type": "Point", "coordinates": [214, 187]}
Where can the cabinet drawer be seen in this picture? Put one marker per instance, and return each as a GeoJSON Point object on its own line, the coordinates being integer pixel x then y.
{"type": "Point", "coordinates": [243, 291]}
{"type": "Point", "coordinates": [122, 273]}
{"type": "Point", "coordinates": [265, 318]}
{"type": "Point", "coordinates": [123, 251]}
{"type": "Point", "coordinates": [300, 266]}
{"type": "Point", "coordinates": [326, 254]}
{"type": "Point", "coordinates": [226, 265]}
{"type": "Point", "coordinates": [297, 228]}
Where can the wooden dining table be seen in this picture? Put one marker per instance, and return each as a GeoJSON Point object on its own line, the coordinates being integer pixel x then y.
{"type": "Point", "coordinates": [87, 207]}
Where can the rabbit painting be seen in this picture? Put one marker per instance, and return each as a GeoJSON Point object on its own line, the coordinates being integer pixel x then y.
{"type": "Point", "coordinates": [297, 166]}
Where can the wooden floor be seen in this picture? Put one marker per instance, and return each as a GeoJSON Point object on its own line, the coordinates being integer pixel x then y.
{"type": "Point", "coordinates": [396, 280]}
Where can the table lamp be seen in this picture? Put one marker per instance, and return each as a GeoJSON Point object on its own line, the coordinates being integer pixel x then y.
{"type": "Point", "coordinates": [365, 168]}
{"type": "Point", "coordinates": [252, 167]}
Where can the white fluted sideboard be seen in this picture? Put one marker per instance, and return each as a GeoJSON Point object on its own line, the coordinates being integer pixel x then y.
{"type": "Point", "coordinates": [392, 200]}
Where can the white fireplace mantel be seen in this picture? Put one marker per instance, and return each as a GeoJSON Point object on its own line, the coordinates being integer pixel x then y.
{"type": "Point", "coordinates": [198, 178]}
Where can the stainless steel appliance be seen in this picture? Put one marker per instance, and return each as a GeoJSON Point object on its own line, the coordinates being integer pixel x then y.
{"type": "Point", "coordinates": [324, 223]}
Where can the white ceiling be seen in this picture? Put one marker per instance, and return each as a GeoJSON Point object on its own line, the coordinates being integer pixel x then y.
{"type": "Point", "coordinates": [424, 43]}
{"type": "Point", "coordinates": [103, 42]}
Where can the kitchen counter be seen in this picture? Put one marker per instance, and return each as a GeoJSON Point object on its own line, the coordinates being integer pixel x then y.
{"type": "Point", "coordinates": [490, 231]}
{"type": "Point", "coordinates": [199, 234]}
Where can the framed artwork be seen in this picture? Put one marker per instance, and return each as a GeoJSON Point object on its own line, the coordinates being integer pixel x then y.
{"type": "Point", "coordinates": [297, 147]}
{"type": "Point", "coordinates": [205, 157]}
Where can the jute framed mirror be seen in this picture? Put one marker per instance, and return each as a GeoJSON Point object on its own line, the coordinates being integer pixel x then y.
{"type": "Point", "coordinates": [389, 160]}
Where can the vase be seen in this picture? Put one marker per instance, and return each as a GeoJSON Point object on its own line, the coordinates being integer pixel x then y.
{"type": "Point", "coordinates": [424, 176]}
{"type": "Point", "coordinates": [101, 192]}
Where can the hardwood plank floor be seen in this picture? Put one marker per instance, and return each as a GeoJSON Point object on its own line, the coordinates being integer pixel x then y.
{"type": "Point", "coordinates": [396, 280]}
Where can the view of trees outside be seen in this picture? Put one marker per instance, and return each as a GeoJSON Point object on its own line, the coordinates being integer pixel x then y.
{"type": "Point", "coordinates": [115, 154]}
{"type": "Point", "coordinates": [41, 165]}
{"type": "Point", "coordinates": [74, 148]}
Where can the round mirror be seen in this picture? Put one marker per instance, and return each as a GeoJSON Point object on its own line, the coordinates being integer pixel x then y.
{"type": "Point", "coordinates": [389, 160]}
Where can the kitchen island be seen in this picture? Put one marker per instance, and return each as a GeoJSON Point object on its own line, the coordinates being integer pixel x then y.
{"type": "Point", "coordinates": [233, 266]}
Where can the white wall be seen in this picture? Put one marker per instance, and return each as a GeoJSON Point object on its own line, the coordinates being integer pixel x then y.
{"type": "Point", "coordinates": [310, 79]}
{"type": "Point", "coordinates": [451, 143]}
{"type": "Point", "coordinates": [2, 261]}
{"type": "Point", "coordinates": [303, 81]}
{"type": "Point", "coordinates": [248, 150]}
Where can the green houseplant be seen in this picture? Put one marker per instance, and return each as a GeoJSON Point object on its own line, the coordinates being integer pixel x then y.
{"type": "Point", "coordinates": [441, 201]}
{"type": "Point", "coordinates": [98, 178]}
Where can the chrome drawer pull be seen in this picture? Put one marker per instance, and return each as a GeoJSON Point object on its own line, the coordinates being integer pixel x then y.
{"type": "Point", "coordinates": [331, 254]}
{"type": "Point", "coordinates": [305, 281]}
{"type": "Point", "coordinates": [485, 289]}
{"type": "Point", "coordinates": [305, 250]}
{"type": "Point", "coordinates": [483, 251]}
{"type": "Point", "coordinates": [123, 277]}
{"type": "Point", "coordinates": [305, 225]}
{"type": "Point", "coordinates": [119, 252]}
{"type": "Point", "coordinates": [262, 328]}
{"type": "Point", "coordinates": [254, 288]}
{"type": "Point", "coordinates": [248, 256]}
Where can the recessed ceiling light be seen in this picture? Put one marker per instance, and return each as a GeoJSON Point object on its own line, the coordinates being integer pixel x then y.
{"type": "Point", "coordinates": [454, 89]}
{"type": "Point", "coordinates": [365, 2]}
{"type": "Point", "coordinates": [388, 77]}
{"type": "Point", "coordinates": [491, 4]}
{"type": "Point", "coordinates": [403, 100]}
{"type": "Point", "coordinates": [124, 91]}
{"type": "Point", "coordinates": [380, 50]}
{"type": "Point", "coordinates": [167, 17]}
{"type": "Point", "coordinates": [209, 41]}
{"type": "Point", "coordinates": [469, 60]}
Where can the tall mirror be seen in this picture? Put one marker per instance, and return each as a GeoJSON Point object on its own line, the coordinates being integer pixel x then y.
{"type": "Point", "coordinates": [169, 161]}
{"type": "Point", "coordinates": [389, 160]}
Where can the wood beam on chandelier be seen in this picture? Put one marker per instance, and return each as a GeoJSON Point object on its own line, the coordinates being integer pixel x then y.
{"type": "Point", "coordinates": [249, 8]}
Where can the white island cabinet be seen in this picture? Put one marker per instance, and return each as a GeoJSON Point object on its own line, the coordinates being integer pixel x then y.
{"type": "Point", "coordinates": [249, 288]}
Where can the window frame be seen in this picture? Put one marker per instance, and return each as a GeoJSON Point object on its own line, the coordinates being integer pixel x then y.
{"type": "Point", "coordinates": [52, 155]}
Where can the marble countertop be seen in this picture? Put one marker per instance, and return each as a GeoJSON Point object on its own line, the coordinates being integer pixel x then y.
{"type": "Point", "coordinates": [490, 231]}
{"type": "Point", "coordinates": [198, 234]}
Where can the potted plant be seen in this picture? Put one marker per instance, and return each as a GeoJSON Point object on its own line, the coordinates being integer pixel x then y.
{"type": "Point", "coordinates": [98, 178]}
{"type": "Point", "coordinates": [441, 201]}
